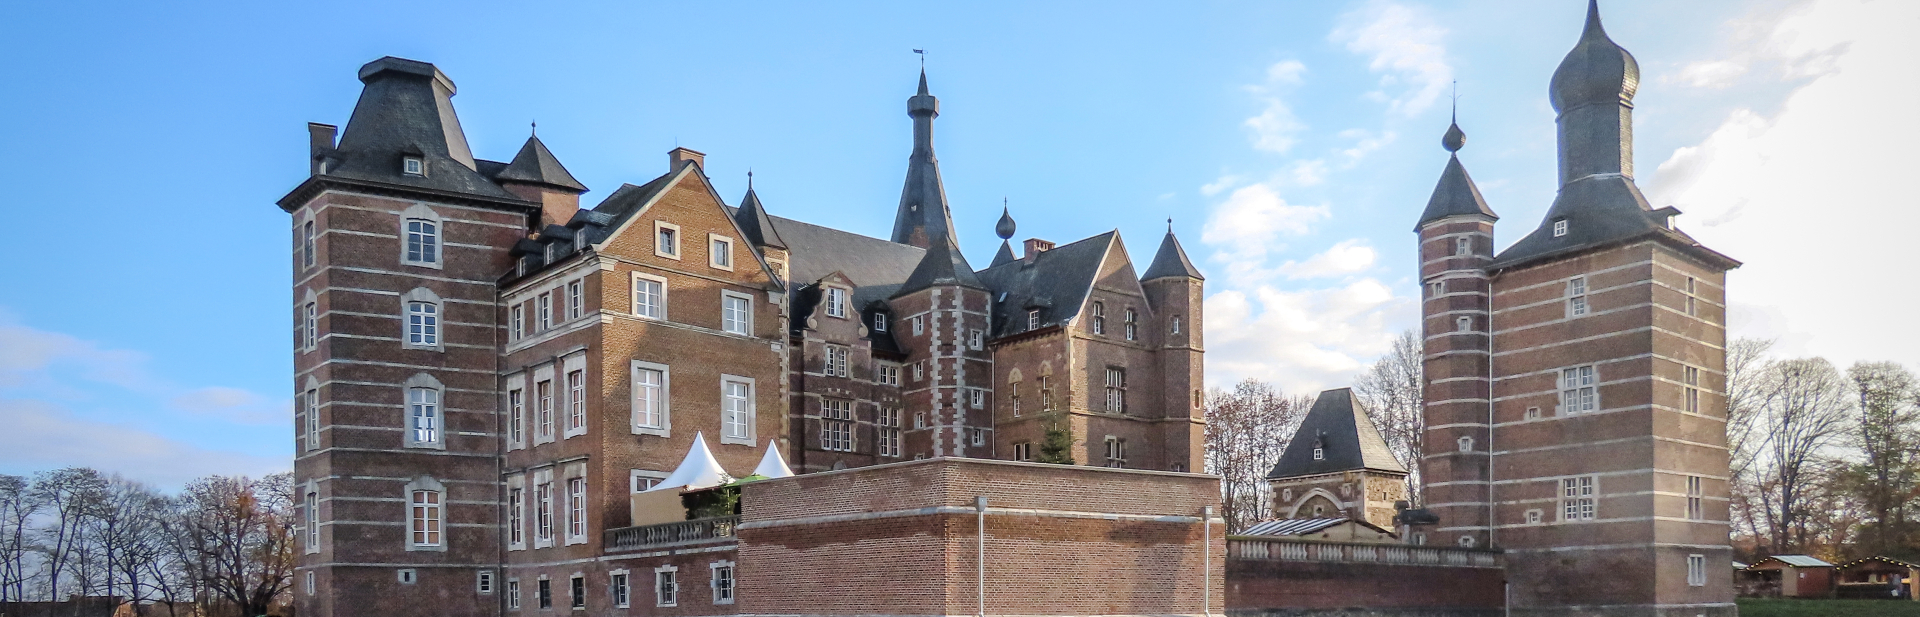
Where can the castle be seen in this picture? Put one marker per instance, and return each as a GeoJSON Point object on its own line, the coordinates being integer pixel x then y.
{"type": "Point", "coordinates": [486, 373]}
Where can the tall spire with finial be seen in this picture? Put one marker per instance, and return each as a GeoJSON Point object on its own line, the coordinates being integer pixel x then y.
{"type": "Point", "coordinates": [923, 217]}
{"type": "Point", "coordinates": [1004, 229]}
{"type": "Point", "coordinates": [1593, 92]}
{"type": "Point", "coordinates": [1170, 260]}
{"type": "Point", "coordinates": [754, 222]}
{"type": "Point", "coordinates": [1456, 194]}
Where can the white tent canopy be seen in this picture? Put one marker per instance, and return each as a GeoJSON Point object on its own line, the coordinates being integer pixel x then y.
{"type": "Point", "coordinates": [773, 465]}
{"type": "Point", "coordinates": [699, 470]}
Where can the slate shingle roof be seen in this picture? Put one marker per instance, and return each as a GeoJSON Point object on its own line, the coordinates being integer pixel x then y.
{"type": "Point", "coordinates": [1171, 260]}
{"type": "Point", "coordinates": [406, 109]}
{"type": "Point", "coordinates": [1057, 283]}
{"type": "Point", "coordinates": [1454, 195]}
{"type": "Point", "coordinates": [535, 164]}
{"type": "Point", "coordinates": [1347, 437]}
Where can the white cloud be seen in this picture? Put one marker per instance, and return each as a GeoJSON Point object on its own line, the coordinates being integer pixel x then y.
{"type": "Point", "coordinates": [44, 436]}
{"type": "Point", "coordinates": [1351, 256]}
{"type": "Point", "coordinates": [1711, 73]}
{"type": "Point", "coordinates": [1364, 143]}
{"type": "Point", "coordinates": [27, 353]}
{"type": "Point", "coordinates": [1303, 340]}
{"type": "Point", "coordinates": [1816, 199]}
{"type": "Point", "coordinates": [232, 404]}
{"type": "Point", "coordinates": [1405, 47]}
{"type": "Point", "coordinates": [1225, 182]}
{"type": "Point", "coordinates": [1308, 172]}
{"type": "Point", "coordinates": [1286, 72]}
{"type": "Point", "coordinates": [1276, 128]}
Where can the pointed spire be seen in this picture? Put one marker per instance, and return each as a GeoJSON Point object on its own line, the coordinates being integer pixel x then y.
{"type": "Point", "coordinates": [1005, 227]}
{"type": "Point", "coordinates": [697, 471]}
{"type": "Point", "coordinates": [754, 222]}
{"type": "Point", "coordinates": [923, 219]}
{"type": "Point", "coordinates": [1347, 438]}
{"type": "Point", "coordinates": [773, 465]}
{"type": "Point", "coordinates": [1455, 139]}
{"type": "Point", "coordinates": [1004, 255]}
{"type": "Point", "coordinates": [1456, 194]}
{"type": "Point", "coordinates": [535, 164]}
{"type": "Point", "coordinates": [1171, 260]}
{"type": "Point", "coordinates": [1593, 92]}
{"type": "Point", "coordinates": [943, 265]}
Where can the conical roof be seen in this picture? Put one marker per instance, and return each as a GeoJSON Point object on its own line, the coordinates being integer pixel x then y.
{"type": "Point", "coordinates": [773, 465]}
{"type": "Point", "coordinates": [942, 265]}
{"type": "Point", "coordinates": [1171, 260]}
{"type": "Point", "coordinates": [923, 219]}
{"type": "Point", "coordinates": [697, 471]}
{"type": "Point", "coordinates": [1454, 195]}
{"type": "Point", "coordinates": [1339, 428]}
{"type": "Point", "coordinates": [1004, 256]}
{"type": "Point", "coordinates": [754, 222]}
{"type": "Point", "coordinates": [535, 164]}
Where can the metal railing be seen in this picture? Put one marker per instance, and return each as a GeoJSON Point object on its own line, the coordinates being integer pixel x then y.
{"type": "Point", "coordinates": [697, 531]}
{"type": "Point", "coordinates": [1339, 552]}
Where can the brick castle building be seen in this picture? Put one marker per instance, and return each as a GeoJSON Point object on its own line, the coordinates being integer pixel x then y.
{"type": "Point", "coordinates": [486, 373]}
{"type": "Point", "coordinates": [1575, 409]}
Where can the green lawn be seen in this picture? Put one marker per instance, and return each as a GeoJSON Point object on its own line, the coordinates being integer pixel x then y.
{"type": "Point", "coordinates": [1773, 607]}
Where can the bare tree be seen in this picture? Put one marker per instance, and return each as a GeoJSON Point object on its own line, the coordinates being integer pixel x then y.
{"type": "Point", "coordinates": [1886, 437]}
{"type": "Point", "coordinates": [71, 495]}
{"type": "Point", "coordinates": [1394, 394]}
{"type": "Point", "coordinates": [1748, 385]}
{"type": "Point", "coordinates": [1806, 409]}
{"type": "Point", "coordinates": [240, 538]}
{"type": "Point", "coordinates": [18, 506]}
{"type": "Point", "coordinates": [1247, 429]}
{"type": "Point", "coordinates": [124, 535]}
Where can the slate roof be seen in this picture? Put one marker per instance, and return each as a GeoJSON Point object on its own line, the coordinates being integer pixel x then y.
{"type": "Point", "coordinates": [1171, 260]}
{"type": "Point", "coordinates": [1003, 256]}
{"type": "Point", "coordinates": [1057, 283]}
{"type": "Point", "coordinates": [923, 198]}
{"type": "Point", "coordinates": [1348, 438]}
{"type": "Point", "coordinates": [535, 164]}
{"type": "Point", "coordinates": [584, 228]}
{"type": "Point", "coordinates": [816, 251]}
{"type": "Point", "coordinates": [1596, 70]}
{"type": "Point", "coordinates": [752, 218]}
{"type": "Point", "coordinates": [1455, 194]}
{"type": "Point", "coordinates": [942, 265]}
{"type": "Point", "coordinates": [1601, 210]}
{"type": "Point", "coordinates": [406, 109]}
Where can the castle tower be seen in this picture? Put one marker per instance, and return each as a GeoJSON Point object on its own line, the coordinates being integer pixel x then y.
{"type": "Point", "coordinates": [1175, 290]}
{"type": "Point", "coordinates": [399, 238]}
{"type": "Point", "coordinates": [1609, 419]}
{"type": "Point", "coordinates": [1337, 465]}
{"type": "Point", "coordinates": [759, 230]}
{"type": "Point", "coordinates": [1456, 242]}
{"type": "Point", "coordinates": [951, 368]}
{"type": "Point", "coordinates": [923, 216]}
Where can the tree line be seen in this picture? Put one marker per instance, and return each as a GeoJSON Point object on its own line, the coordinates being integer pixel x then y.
{"type": "Point", "coordinates": [222, 546]}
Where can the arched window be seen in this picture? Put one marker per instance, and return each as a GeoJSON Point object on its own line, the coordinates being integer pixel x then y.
{"type": "Point", "coordinates": [424, 416]}
{"type": "Point", "coordinates": [420, 229]}
{"type": "Point", "coordinates": [426, 514]}
{"type": "Point", "coordinates": [421, 320]}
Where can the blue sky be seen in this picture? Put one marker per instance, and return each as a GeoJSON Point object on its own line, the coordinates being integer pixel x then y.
{"type": "Point", "coordinates": [144, 320]}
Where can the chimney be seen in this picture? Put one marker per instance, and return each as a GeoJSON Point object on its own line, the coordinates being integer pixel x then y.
{"type": "Point", "coordinates": [319, 144]}
{"type": "Point", "coordinates": [680, 156]}
{"type": "Point", "coordinates": [1035, 247]}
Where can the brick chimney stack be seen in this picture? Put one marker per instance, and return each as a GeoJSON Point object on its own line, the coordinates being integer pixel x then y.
{"type": "Point", "coordinates": [680, 156]}
{"type": "Point", "coordinates": [1034, 248]}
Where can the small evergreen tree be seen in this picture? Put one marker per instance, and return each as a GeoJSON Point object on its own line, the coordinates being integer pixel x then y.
{"type": "Point", "coordinates": [1057, 446]}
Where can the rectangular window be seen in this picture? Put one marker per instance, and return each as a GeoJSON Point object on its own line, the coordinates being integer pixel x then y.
{"type": "Point", "coordinates": [543, 512]}
{"type": "Point", "coordinates": [1033, 319]}
{"type": "Point", "coordinates": [836, 361]}
{"type": "Point", "coordinates": [1577, 498]}
{"type": "Point", "coordinates": [1559, 228]}
{"type": "Point", "coordinates": [423, 241]}
{"type": "Point", "coordinates": [574, 299]}
{"type": "Point", "coordinates": [836, 425]}
{"type": "Point", "coordinates": [517, 417]}
{"type": "Point", "coordinates": [1577, 296]}
{"type": "Point", "coordinates": [1462, 246]}
{"type": "Point", "coordinates": [543, 312]}
{"type": "Point", "coordinates": [1046, 393]}
{"type": "Point", "coordinates": [666, 240]}
{"type": "Point", "coordinates": [919, 419]}
{"type": "Point", "coordinates": [423, 324]}
{"type": "Point", "coordinates": [517, 324]}
{"type": "Point", "coordinates": [306, 245]}
{"type": "Point", "coordinates": [311, 319]}
{"type": "Point", "coordinates": [1023, 451]}
{"type": "Point", "coordinates": [639, 480]}
{"type": "Point", "coordinates": [1013, 400]}
{"type": "Point", "coordinates": [516, 516]}
{"type": "Point", "coordinates": [577, 588]}
{"type": "Point", "coordinates": [889, 431]}
{"type": "Point", "coordinates": [723, 582]}
{"type": "Point", "coordinates": [736, 411]}
{"type": "Point", "coordinates": [311, 400]}
{"type": "Point", "coordinates": [1116, 390]}
{"type": "Point", "coordinates": [720, 252]}
{"type": "Point", "coordinates": [576, 400]}
{"type": "Point", "coordinates": [879, 322]}
{"type": "Point", "coordinates": [736, 314]}
{"type": "Point", "coordinates": [1463, 323]}
{"type": "Point", "coordinates": [887, 374]}
{"type": "Point", "coordinates": [423, 412]}
{"type": "Point", "coordinates": [666, 587]}
{"type": "Point", "coordinates": [1116, 452]}
{"type": "Point", "coordinates": [483, 581]}
{"type": "Point", "coordinates": [1578, 394]}
{"type": "Point", "coordinates": [977, 399]}
{"type": "Point", "coordinates": [649, 298]}
{"type": "Point", "coordinates": [1697, 570]}
{"type": "Point", "coordinates": [977, 436]}
{"type": "Point", "coordinates": [919, 371]}
{"type": "Point", "coordinates": [621, 595]}
{"type": "Point", "coordinates": [310, 583]}
{"type": "Point", "coordinates": [919, 325]}
{"type": "Point", "coordinates": [513, 594]}
{"type": "Point", "coordinates": [976, 340]}
{"type": "Point", "coordinates": [836, 302]}
{"type": "Point", "coordinates": [1099, 318]}
{"type": "Point", "coordinates": [649, 398]}
{"type": "Point", "coordinates": [543, 420]}
{"type": "Point", "coordinates": [545, 592]}
{"type": "Point", "coordinates": [313, 521]}
{"type": "Point", "coordinates": [426, 518]}
{"type": "Point", "coordinates": [413, 166]}
{"type": "Point", "coordinates": [1692, 394]}
{"type": "Point", "coordinates": [577, 507]}
{"type": "Point", "coordinates": [1436, 288]}
{"type": "Point", "coordinates": [1133, 332]}
{"type": "Point", "coordinates": [1696, 499]}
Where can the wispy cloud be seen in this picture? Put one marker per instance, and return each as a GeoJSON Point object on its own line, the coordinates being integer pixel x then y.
{"type": "Point", "coordinates": [1276, 128]}
{"type": "Point", "coordinates": [42, 435]}
{"type": "Point", "coordinates": [1405, 47]}
{"type": "Point", "coordinates": [1351, 256]}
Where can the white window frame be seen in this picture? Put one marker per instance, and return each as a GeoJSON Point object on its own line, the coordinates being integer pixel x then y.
{"type": "Point", "coordinates": [1696, 498]}
{"type": "Point", "coordinates": [714, 251]}
{"type": "Point", "coordinates": [919, 371]}
{"type": "Point", "coordinates": [620, 588]}
{"type": "Point", "coordinates": [836, 424]}
{"type": "Point", "coordinates": [742, 324]}
{"type": "Point", "coordinates": [309, 253]}
{"type": "Point", "coordinates": [746, 425]}
{"type": "Point", "coordinates": [1462, 323]}
{"type": "Point", "coordinates": [310, 507]}
{"type": "Point", "coordinates": [662, 424]}
{"type": "Point", "coordinates": [887, 433]}
{"type": "Point", "coordinates": [543, 311]}
{"type": "Point", "coordinates": [919, 324]}
{"type": "Point", "coordinates": [836, 359]}
{"type": "Point", "coordinates": [1463, 246]}
{"type": "Point", "coordinates": [1696, 570]}
{"type": "Point", "coordinates": [886, 373]}
{"type": "Point", "coordinates": [1100, 318]}
{"type": "Point", "coordinates": [577, 591]}
{"type": "Point", "coordinates": [1176, 325]}
{"type": "Point", "coordinates": [432, 321]}
{"type": "Point", "coordinates": [1692, 308]}
{"type": "Point", "coordinates": [576, 296]}
{"type": "Point", "coordinates": [976, 339]}
{"type": "Point", "coordinates": [1690, 394]}
{"type": "Point", "coordinates": [679, 240]}
{"type": "Point", "coordinates": [310, 322]}
{"type": "Point", "coordinates": [310, 400]}
{"type": "Point", "coordinates": [432, 243]}
{"type": "Point", "coordinates": [483, 582]}
{"type": "Point", "coordinates": [426, 500]}
{"type": "Point", "coordinates": [424, 398]}
{"type": "Point", "coordinates": [977, 437]}
{"type": "Point", "coordinates": [879, 321]}
{"type": "Point", "coordinates": [1579, 498]}
{"type": "Point", "coordinates": [977, 398]}
{"type": "Point", "coordinates": [1023, 451]}
{"type": "Point", "coordinates": [1116, 389]}
{"type": "Point", "coordinates": [517, 322]}
{"type": "Point", "coordinates": [576, 510]}
{"type": "Point", "coordinates": [723, 594]}
{"type": "Point", "coordinates": [1033, 319]}
{"type": "Point", "coordinates": [651, 477]}
{"type": "Point", "coordinates": [517, 496]}
{"type": "Point", "coordinates": [655, 310]}
{"type": "Point", "coordinates": [413, 166]}
{"type": "Point", "coordinates": [1577, 291]}
{"type": "Point", "coordinates": [513, 594]}
{"type": "Point", "coordinates": [1534, 516]}
{"type": "Point", "coordinates": [517, 412]}
{"type": "Point", "coordinates": [835, 299]}
{"type": "Point", "coordinates": [666, 586]}
{"type": "Point", "coordinates": [1436, 288]}
{"type": "Point", "coordinates": [544, 412]}
{"type": "Point", "coordinates": [577, 394]}
{"type": "Point", "coordinates": [309, 577]}
{"type": "Point", "coordinates": [1560, 227]}
{"type": "Point", "coordinates": [543, 508]}
{"type": "Point", "coordinates": [1116, 452]}
{"type": "Point", "coordinates": [1579, 388]}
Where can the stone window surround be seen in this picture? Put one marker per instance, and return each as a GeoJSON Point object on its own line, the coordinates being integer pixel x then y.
{"type": "Point", "coordinates": [665, 428]}
{"type": "Point", "coordinates": [422, 294]}
{"type": "Point", "coordinates": [423, 381]}
{"type": "Point", "coordinates": [425, 483]}
{"type": "Point", "coordinates": [420, 212]}
{"type": "Point", "coordinates": [747, 330]}
{"type": "Point", "coordinates": [752, 410]}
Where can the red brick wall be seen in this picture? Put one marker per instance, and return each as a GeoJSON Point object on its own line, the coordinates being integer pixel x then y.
{"type": "Point", "coordinates": [1256, 586]}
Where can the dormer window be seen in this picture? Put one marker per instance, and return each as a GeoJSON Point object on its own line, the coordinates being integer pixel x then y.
{"type": "Point", "coordinates": [413, 166]}
{"type": "Point", "coordinates": [1559, 228]}
{"type": "Point", "coordinates": [1033, 319]}
{"type": "Point", "coordinates": [836, 302]}
{"type": "Point", "coordinates": [879, 322]}
{"type": "Point", "coordinates": [1319, 452]}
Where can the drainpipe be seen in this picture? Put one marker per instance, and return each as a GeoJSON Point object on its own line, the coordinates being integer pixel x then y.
{"type": "Point", "coordinates": [1206, 561]}
{"type": "Point", "coordinates": [980, 547]}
